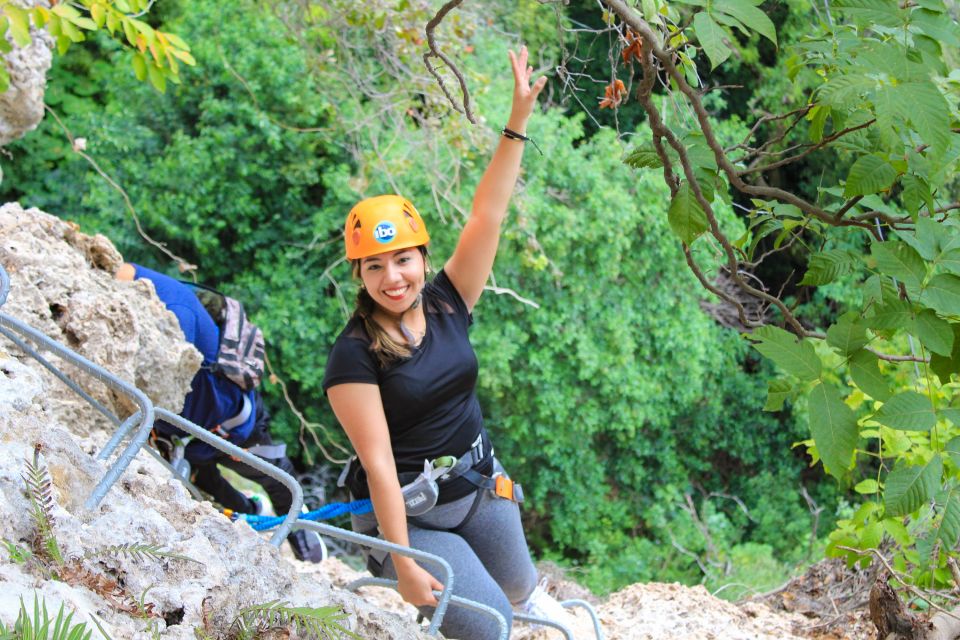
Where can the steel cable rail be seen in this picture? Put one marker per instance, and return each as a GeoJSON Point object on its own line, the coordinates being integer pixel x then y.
{"type": "Point", "coordinates": [120, 386]}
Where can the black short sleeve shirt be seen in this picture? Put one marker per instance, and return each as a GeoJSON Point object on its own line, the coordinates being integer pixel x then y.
{"type": "Point", "coordinates": [429, 399]}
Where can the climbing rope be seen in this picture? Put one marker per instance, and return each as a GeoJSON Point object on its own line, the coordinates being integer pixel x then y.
{"type": "Point", "coordinates": [332, 510]}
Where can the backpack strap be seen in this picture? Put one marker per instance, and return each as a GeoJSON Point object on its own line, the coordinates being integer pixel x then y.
{"type": "Point", "coordinates": [241, 418]}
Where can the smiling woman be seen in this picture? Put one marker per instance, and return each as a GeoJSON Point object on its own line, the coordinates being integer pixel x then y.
{"type": "Point", "coordinates": [401, 379]}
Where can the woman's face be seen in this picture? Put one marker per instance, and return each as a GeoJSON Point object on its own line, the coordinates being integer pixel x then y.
{"type": "Point", "coordinates": [394, 279]}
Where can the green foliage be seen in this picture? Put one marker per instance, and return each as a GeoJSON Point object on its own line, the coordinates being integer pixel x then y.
{"type": "Point", "coordinates": [875, 374]}
{"type": "Point", "coordinates": [38, 625]}
{"type": "Point", "coordinates": [40, 492]}
{"type": "Point", "coordinates": [18, 554]}
{"type": "Point", "coordinates": [137, 551]}
{"type": "Point", "coordinates": [308, 622]}
{"type": "Point", "coordinates": [154, 53]}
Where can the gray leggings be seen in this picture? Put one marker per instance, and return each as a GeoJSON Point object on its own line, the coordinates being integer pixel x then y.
{"type": "Point", "coordinates": [489, 556]}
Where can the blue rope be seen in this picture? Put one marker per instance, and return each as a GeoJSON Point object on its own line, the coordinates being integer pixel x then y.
{"type": "Point", "coordinates": [332, 510]}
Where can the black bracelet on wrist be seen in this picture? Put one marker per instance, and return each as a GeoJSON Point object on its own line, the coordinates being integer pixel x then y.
{"type": "Point", "coordinates": [513, 135]}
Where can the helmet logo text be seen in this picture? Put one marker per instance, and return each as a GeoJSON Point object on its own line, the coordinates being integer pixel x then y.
{"type": "Point", "coordinates": [384, 232]}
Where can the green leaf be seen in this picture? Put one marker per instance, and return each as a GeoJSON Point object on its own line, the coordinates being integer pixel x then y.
{"type": "Point", "coordinates": [937, 26]}
{"type": "Point", "coordinates": [950, 260]}
{"type": "Point", "coordinates": [834, 428]}
{"type": "Point", "coordinates": [867, 487]}
{"type": "Point", "coordinates": [19, 24]}
{"type": "Point", "coordinates": [901, 261]}
{"type": "Point", "coordinates": [953, 447]}
{"type": "Point", "coordinates": [796, 358]}
{"type": "Point", "coordinates": [157, 78]}
{"type": "Point", "coordinates": [894, 314]}
{"type": "Point", "coordinates": [711, 37]}
{"type": "Point", "coordinates": [916, 192]}
{"type": "Point", "coordinates": [84, 23]}
{"type": "Point", "coordinates": [4, 79]}
{"type": "Point", "coordinates": [949, 529]}
{"type": "Point", "coordinates": [908, 411]}
{"type": "Point", "coordinates": [942, 294]}
{"type": "Point", "coordinates": [877, 290]}
{"type": "Point", "coordinates": [99, 13]}
{"type": "Point", "coordinates": [868, 13]}
{"type": "Point", "coordinates": [779, 390]}
{"type": "Point", "coordinates": [176, 41]}
{"type": "Point", "coordinates": [826, 266]}
{"type": "Point", "coordinates": [846, 91]}
{"type": "Point", "coordinates": [686, 217]}
{"type": "Point", "coordinates": [944, 366]}
{"type": "Point", "coordinates": [139, 66]}
{"type": "Point", "coordinates": [865, 372]}
{"type": "Point", "coordinates": [643, 158]}
{"type": "Point", "coordinates": [934, 332]}
{"type": "Point", "coordinates": [749, 15]}
{"type": "Point", "coordinates": [129, 32]}
{"type": "Point", "coordinates": [848, 335]}
{"type": "Point", "coordinates": [869, 174]}
{"type": "Point", "coordinates": [929, 113]}
{"type": "Point", "coordinates": [907, 487]}
{"type": "Point", "coordinates": [818, 120]}
{"type": "Point", "coordinates": [897, 531]}
{"type": "Point", "coordinates": [925, 238]}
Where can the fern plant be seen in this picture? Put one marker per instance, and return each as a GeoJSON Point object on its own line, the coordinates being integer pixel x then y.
{"type": "Point", "coordinates": [137, 551]}
{"type": "Point", "coordinates": [40, 492]}
{"type": "Point", "coordinates": [309, 622]}
{"type": "Point", "coordinates": [40, 626]}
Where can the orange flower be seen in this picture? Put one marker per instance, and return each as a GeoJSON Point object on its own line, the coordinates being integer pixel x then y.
{"type": "Point", "coordinates": [613, 95]}
{"type": "Point", "coordinates": [633, 47]}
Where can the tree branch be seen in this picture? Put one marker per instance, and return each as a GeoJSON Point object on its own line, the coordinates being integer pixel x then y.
{"type": "Point", "coordinates": [436, 53]}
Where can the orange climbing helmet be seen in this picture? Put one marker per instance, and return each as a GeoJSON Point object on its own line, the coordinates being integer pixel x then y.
{"type": "Point", "coordinates": [381, 224]}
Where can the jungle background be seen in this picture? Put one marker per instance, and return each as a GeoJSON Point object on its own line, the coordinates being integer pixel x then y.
{"type": "Point", "coordinates": [613, 384]}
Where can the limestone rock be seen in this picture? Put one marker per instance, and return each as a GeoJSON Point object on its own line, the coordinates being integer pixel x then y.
{"type": "Point", "coordinates": [21, 106]}
{"type": "Point", "coordinates": [61, 283]}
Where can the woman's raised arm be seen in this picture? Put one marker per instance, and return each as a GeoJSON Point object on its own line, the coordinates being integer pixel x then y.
{"type": "Point", "coordinates": [470, 265]}
{"type": "Point", "coordinates": [359, 409]}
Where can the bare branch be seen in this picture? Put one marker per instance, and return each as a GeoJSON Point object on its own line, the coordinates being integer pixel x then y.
{"type": "Point", "coordinates": [436, 53]}
{"type": "Point", "coordinates": [78, 145]}
{"type": "Point", "coordinates": [512, 293]}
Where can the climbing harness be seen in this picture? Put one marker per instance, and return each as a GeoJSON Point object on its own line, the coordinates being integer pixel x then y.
{"type": "Point", "coordinates": [421, 490]}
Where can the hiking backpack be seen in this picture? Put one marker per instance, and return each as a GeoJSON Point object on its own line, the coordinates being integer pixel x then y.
{"type": "Point", "coordinates": [240, 354]}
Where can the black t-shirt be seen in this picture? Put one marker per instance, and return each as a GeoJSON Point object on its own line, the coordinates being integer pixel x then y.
{"type": "Point", "coordinates": [429, 399]}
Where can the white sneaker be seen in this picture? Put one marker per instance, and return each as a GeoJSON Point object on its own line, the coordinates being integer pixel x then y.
{"type": "Point", "coordinates": [541, 604]}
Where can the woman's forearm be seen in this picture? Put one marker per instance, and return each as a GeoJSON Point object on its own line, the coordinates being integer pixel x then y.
{"type": "Point", "coordinates": [391, 512]}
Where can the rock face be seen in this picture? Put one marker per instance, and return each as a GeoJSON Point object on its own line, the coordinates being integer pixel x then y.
{"type": "Point", "coordinates": [61, 283]}
{"type": "Point", "coordinates": [21, 106]}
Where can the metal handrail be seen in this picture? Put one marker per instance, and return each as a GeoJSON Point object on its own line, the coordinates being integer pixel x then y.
{"type": "Point", "coordinates": [454, 600]}
{"type": "Point", "coordinates": [4, 285]}
{"type": "Point", "coordinates": [110, 380]}
{"type": "Point", "coordinates": [569, 604]}
{"type": "Point", "coordinates": [49, 366]}
{"type": "Point", "coordinates": [248, 458]}
{"type": "Point", "coordinates": [383, 545]}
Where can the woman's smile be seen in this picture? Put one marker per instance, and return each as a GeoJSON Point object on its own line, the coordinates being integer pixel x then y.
{"type": "Point", "coordinates": [394, 279]}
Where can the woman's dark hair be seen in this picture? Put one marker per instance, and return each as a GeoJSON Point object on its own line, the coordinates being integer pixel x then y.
{"type": "Point", "coordinates": [384, 347]}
